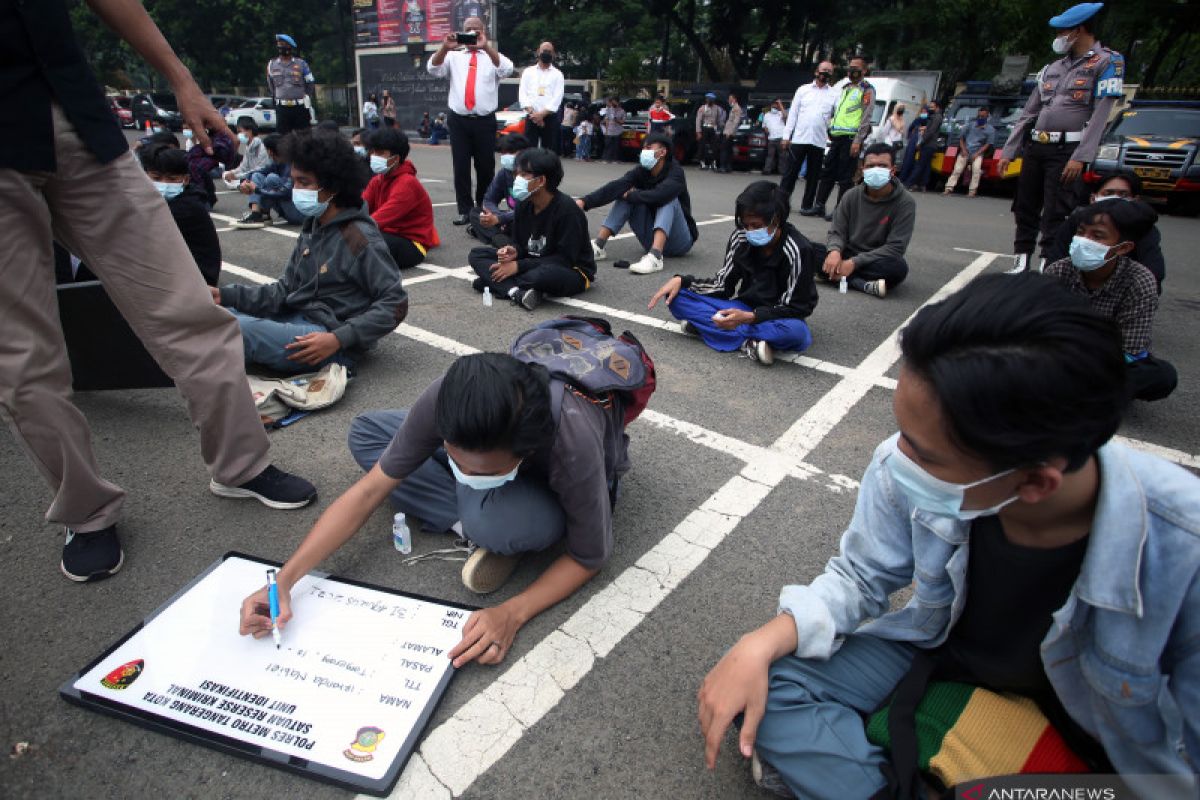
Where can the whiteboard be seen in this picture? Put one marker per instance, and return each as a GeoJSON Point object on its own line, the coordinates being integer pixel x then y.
{"type": "Point", "coordinates": [359, 673]}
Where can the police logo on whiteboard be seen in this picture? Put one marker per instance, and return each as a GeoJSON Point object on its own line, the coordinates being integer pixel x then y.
{"type": "Point", "coordinates": [123, 676]}
{"type": "Point", "coordinates": [364, 744]}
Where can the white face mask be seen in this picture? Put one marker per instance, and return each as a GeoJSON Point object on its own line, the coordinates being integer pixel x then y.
{"type": "Point", "coordinates": [877, 177]}
{"type": "Point", "coordinates": [1062, 44]}
{"type": "Point", "coordinates": [379, 164]}
{"type": "Point", "coordinates": [481, 483]}
{"type": "Point", "coordinates": [934, 494]}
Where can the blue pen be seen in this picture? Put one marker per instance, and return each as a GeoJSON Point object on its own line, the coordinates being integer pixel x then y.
{"type": "Point", "coordinates": [273, 598]}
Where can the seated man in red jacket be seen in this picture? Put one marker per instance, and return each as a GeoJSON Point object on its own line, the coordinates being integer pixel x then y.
{"type": "Point", "coordinates": [397, 201]}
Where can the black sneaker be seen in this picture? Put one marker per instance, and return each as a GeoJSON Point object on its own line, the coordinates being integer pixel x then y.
{"type": "Point", "coordinates": [253, 219]}
{"type": "Point", "coordinates": [529, 299]}
{"type": "Point", "coordinates": [92, 556]}
{"type": "Point", "coordinates": [273, 487]}
{"type": "Point", "coordinates": [461, 219]}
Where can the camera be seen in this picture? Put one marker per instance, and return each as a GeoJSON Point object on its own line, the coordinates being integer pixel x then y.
{"type": "Point", "coordinates": [466, 37]}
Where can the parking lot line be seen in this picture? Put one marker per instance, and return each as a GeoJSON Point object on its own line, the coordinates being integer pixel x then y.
{"type": "Point", "coordinates": [293, 234]}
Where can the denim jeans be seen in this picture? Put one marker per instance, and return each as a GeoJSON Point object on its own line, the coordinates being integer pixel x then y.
{"type": "Point", "coordinates": [264, 341]}
{"type": "Point", "coordinates": [645, 220]}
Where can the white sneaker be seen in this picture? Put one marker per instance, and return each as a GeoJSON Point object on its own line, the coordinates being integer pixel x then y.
{"type": "Point", "coordinates": [647, 264]}
{"type": "Point", "coordinates": [598, 253]}
{"type": "Point", "coordinates": [1020, 260]}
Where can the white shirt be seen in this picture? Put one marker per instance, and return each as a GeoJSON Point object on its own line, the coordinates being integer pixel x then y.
{"type": "Point", "coordinates": [487, 79]}
{"type": "Point", "coordinates": [541, 89]}
{"type": "Point", "coordinates": [775, 123]}
{"type": "Point", "coordinates": [808, 118]}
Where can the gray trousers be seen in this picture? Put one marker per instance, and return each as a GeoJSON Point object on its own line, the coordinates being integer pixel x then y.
{"type": "Point", "coordinates": [521, 516]}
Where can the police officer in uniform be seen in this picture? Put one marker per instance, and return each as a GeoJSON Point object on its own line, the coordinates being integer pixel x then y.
{"type": "Point", "coordinates": [1059, 130]}
{"type": "Point", "coordinates": [288, 77]}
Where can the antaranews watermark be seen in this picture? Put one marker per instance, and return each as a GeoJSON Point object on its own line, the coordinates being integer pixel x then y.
{"type": "Point", "coordinates": [1078, 787]}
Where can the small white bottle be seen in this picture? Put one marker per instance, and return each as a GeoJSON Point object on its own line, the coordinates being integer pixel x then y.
{"type": "Point", "coordinates": [401, 535]}
{"type": "Point", "coordinates": [187, 139]}
{"type": "Point", "coordinates": [842, 285]}
{"type": "Point", "coordinates": [487, 296]}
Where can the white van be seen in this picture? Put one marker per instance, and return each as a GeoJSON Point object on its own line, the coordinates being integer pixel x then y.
{"type": "Point", "coordinates": [888, 92]}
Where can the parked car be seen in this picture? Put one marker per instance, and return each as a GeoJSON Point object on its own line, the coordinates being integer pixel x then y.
{"type": "Point", "coordinates": [1006, 108]}
{"type": "Point", "coordinates": [511, 119]}
{"type": "Point", "coordinates": [1159, 141]}
{"type": "Point", "coordinates": [122, 109]}
{"type": "Point", "coordinates": [750, 141]}
{"type": "Point", "coordinates": [158, 108]}
{"type": "Point", "coordinates": [261, 110]}
{"type": "Point", "coordinates": [220, 101]}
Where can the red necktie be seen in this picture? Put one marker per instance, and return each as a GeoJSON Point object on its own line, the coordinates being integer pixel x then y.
{"type": "Point", "coordinates": [472, 71]}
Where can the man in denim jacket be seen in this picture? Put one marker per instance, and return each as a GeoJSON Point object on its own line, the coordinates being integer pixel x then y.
{"type": "Point", "coordinates": [1083, 559]}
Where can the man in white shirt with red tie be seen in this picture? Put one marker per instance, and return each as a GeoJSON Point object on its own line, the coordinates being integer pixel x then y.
{"type": "Point", "coordinates": [475, 71]}
{"type": "Point", "coordinates": [541, 95]}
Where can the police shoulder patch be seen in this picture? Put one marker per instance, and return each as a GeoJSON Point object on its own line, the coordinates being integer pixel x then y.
{"type": "Point", "coordinates": [1111, 80]}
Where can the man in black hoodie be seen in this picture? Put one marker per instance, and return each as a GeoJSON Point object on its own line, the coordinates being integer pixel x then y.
{"type": "Point", "coordinates": [653, 199]}
{"type": "Point", "coordinates": [341, 290]}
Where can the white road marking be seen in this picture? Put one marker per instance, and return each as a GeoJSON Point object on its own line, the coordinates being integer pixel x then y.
{"type": "Point", "coordinates": [443, 205]}
{"type": "Point", "coordinates": [716, 220]}
{"type": "Point", "coordinates": [293, 234]}
{"type": "Point", "coordinates": [1170, 454]}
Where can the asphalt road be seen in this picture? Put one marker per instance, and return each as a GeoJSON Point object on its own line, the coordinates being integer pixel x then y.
{"type": "Point", "coordinates": [742, 482]}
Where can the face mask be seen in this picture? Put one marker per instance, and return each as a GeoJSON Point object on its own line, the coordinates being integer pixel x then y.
{"type": "Point", "coordinates": [855, 74]}
{"type": "Point", "coordinates": [981, 121]}
{"type": "Point", "coordinates": [379, 164]}
{"type": "Point", "coordinates": [1087, 255]}
{"type": "Point", "coordinates": [168, 190]}
{"type": "Point", "coordinates": [306, 202]}
{"type": "Point", "coordinates": [923, 115]}
{"type": "Point", "coordinates": [243, 138]}
{"type": "Point", "coordinates": [759, 237]}
{"type": "Point", "coordinates": [877, 177]}
{"type": "Point", "coordinates": [520, 189]}
{"type": "Point", "coordinates": [545, 56]}
{"type": "Point", "coordinates": [933, 494]}
{"type": "Point", "coordinates": [648, 158]}
{"type": "Point", "coordinates": [1061, 45]}
{"type": "Point", "coordinates": [508, 161]}
{"type": "Point", "coordinates": [359, 150]}
{"type": "Point", "coordinates": [482, 483]}
{"type": "Point", "coordinates": [823, 77]}
{"type": "Point", "coordinates": [285, 51]}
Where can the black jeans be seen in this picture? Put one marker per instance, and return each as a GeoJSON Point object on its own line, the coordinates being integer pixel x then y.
{"type": "Point", "coordinates": [1150, 378]}
{"type": "Point", "coordinates": [472, 139]}
{"type": "Point", "coordinates": [482, 232]}
{"type": "Point", "coordinates": [708, 146]}
{"type": "Point", "coordinates": [549, 279]}
{"type": "Point", "coordinates": [1043, 201]}
{"type": "Point", "coordinates": [404, 252]}
{"type": "Point", "coordinates": [892, 269]}
{"type": "Point", "coordinates": [726, 152]}
{"type": "Point", "coordinates": [838, 168]}
{"type": "Point", "coordinates": [547, 135]}
{"type": "Point", "coordinates": [612, 148]}
{"type": "Point", "coordinates": [803, 154]}
{"type": "Point", "coordinates": [291, 118]}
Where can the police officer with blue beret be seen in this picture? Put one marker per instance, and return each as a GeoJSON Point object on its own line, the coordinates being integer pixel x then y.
{"type": "Point", "coordinates": [1059, 130]}
{"type": "Point", "coordinates": [288, 77]}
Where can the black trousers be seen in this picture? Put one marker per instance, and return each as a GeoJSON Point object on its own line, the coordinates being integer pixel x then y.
{"type": "Point", "coordinates": [708, 146]}
{"type": "Point", "coordinates": [482, 232]}
{"type": "Point", "coordinates": [726, 152]}
{"type": "Point", "coordinates": [803, 154]}
{"type": "Point", "coordinates": [547, 135]}
{"type": "Point", "coordinates": [291, 118]}
{"type": "Point", "coordinates": [549, 279]}
{"type": "Point", "coordinates": [472, 139]}
{"type": "Point", "coordinates": [838, 168]}
{"type": "Point", "coordinates": [892, 269]}
{"type": "Point", "coordinates": [1043, 201]}
{"type": "Point", "coordinates": [612, 148]}
{"type": "Point", "coordinates": [404, 252]}
{"type": "Point", "coordinates": [1151, 378]}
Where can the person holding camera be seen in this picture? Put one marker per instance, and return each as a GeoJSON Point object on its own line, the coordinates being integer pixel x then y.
{"type": "Point", "coordinates": [475, 68]}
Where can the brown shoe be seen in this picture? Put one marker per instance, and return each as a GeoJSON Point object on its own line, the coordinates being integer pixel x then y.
{"type": "Point", "coordinates": [972, 194]}
{"type": "Point", "coordinates": [485, 571]}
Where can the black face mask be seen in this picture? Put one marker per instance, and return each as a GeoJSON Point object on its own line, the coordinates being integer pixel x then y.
{"type": "Point", "coordinates": [824, 77]}
{"type": "Point", "coordinates": [285, 51]}
{"type": "Point", "coordinates": [855, 74]}
{"type": "Point", "coordinates": [545, 56]}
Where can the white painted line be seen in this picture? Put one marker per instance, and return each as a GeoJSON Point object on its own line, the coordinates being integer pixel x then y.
{"type": "Point", "coordinates": [431, 180]}
{"type": "Point", "coordinates": [1178, 456]}
{"type": "Point", "coordinates": [293, 234]}
{"type": "Point", "coordinates": [443, 205]}
{"type": "Point", "coordinates": [716, 220]}
{"type": "Point", "coordinates": [487, 726]}
{"type": "Point", "coordinates": [222, 230]}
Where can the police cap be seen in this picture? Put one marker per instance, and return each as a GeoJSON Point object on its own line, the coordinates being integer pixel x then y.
{"type": "Point", "coordinates": [1076, 15]}
{"type": "Point", "coordinates": [283, 37]}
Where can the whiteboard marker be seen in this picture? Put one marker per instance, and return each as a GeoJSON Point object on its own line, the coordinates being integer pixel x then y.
{"type": "Point", "coordinates": [273, 599]}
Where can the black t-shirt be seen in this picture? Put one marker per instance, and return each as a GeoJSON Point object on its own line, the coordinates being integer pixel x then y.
{"type": "Point", "coordinates": [558, 235]}
{"type": "Point", "coordinates": [1012, 592]}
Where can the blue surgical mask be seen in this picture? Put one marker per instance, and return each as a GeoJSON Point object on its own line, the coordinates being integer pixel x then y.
{"type": "Point", "coordinates": [759, 237]}
{"type": "Point", "coordinates": [1088, 255]}
{"type": "Point", "coordinates": [243, 138]}
{"type": "Point", "coordinates": [877, 177]}
{"type": "Point", "coordinates": [923, 115]}
{"type": "Point", "coordinates": [481, 483]}
{"type": "Point", "coordinates": [508, 161]}
{"type": "Point", "coordinates": [520, 188]}
{"type": "Point", "coordinates": [168, 190]}
{"type": "Point", "coordinates": [934, 494]}
{"type": "Point", "coordinates": [306, 202]}
{"type": "Point", "coordinates": [379, 164]}
{"type": "Point", "coordinates": [648, 159]}
{"type": "Point", "coordinates": [359, 150]}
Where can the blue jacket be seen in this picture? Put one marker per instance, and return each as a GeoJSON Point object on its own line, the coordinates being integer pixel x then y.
{"type": "Point", "coordinates": [1123, 653]}
{"type": "Point", "coordinates": [498, 197]}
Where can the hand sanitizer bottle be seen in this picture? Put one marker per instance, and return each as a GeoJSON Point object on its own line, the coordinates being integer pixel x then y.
{"type": "Point", "coordinates": [487, 296]}
{"type": "Point", "coordinates": [842, 285]}
{"type": "Point", "coordinates": [401, 535]}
